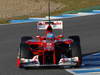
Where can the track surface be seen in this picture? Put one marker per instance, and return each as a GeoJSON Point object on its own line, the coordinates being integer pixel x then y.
{"type": "Point", "coordinates": [87, 27]}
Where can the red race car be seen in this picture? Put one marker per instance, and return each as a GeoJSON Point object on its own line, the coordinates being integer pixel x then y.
{"type": "Point", "coordinates": [50, 49]}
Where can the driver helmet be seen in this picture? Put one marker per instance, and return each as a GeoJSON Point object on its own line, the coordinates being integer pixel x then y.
{"type": "Point", "coordinates": [50, 35]}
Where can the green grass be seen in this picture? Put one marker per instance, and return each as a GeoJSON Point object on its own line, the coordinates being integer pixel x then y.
{"type": "Point", "coordinates": [4, 21]}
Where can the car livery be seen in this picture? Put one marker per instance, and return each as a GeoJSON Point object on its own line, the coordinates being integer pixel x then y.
{"type": "Point", "coordinates": [49, 50]}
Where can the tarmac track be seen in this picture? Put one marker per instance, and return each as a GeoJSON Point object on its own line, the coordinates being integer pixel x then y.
{"type": "Point", "coordinates": [87, 27]}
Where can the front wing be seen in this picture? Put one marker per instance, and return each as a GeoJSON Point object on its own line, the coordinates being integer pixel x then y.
{"type": "Point", "coordinates": [34, 62]}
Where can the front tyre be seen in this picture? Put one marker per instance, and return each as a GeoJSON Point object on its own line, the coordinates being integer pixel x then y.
{"type": "Point", "coordinates": [25, 38]}
{"type": "Point", "coordinates": [76, 52]}
{"type": "Point", "coordinates": [23, 53]}
{"type": "Point", "coordinates": [76, 49]}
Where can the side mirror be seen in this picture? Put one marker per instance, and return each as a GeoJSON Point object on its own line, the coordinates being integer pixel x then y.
{"type": "Point", "coordinates": [38, 37]}
{"type": "Point", "coordinates": [60, 36]}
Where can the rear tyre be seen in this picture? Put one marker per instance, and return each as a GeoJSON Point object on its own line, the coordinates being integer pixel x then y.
{"type": "Point", "coordinates": [76, 39]}
{"type": "Point", "coordinates": [76, 50]}
{"type": "Point", "coordinates": [25, 38]}
{"type": "Point", "coordinates": [24, 52]}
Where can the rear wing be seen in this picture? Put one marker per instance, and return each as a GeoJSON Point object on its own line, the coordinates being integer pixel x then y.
{"type": "Point", "coordinates": [42, 25]}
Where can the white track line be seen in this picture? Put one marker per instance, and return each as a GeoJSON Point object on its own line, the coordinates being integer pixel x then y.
{"type": "Point", "coordinates": [70, 71]}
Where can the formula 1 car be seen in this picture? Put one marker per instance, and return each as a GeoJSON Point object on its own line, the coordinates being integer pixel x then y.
{"type": "Point", "coordinates": [50, 49]}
